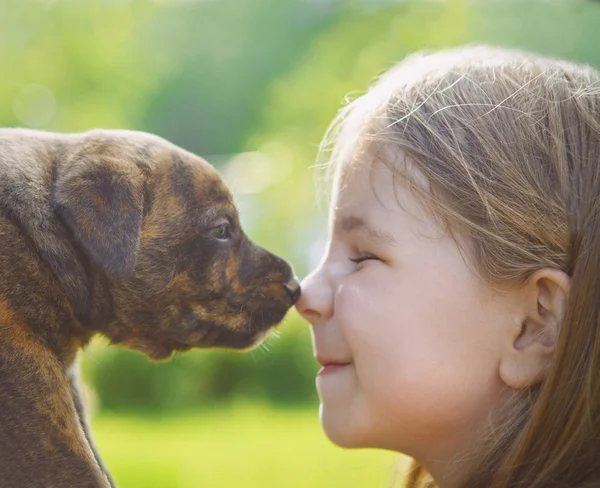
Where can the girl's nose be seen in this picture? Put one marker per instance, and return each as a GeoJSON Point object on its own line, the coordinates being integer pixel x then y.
{"type": "Point", "coordinates": [316, 301]}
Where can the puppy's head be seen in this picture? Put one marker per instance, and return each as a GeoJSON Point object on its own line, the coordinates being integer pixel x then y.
{"type": "Point", "coordinates": [161, 225]}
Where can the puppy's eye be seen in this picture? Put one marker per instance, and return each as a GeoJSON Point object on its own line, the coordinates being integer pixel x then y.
{"type": "Point", "coordinates": [221, 232]}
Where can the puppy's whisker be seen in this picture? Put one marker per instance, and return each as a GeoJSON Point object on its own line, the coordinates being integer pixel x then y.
{"type": "Point", "coordinates": [245, 303]}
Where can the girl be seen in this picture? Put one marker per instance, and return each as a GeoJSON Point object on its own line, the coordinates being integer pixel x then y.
{"type": "Point", "coordinates": [456, 309]}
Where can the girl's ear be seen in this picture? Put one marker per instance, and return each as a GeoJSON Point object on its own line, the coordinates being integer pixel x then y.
{"type": "Point", "coordinates": [542, 303]}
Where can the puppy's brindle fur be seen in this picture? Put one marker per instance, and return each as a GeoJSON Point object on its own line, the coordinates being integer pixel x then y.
{"type": "Point", "coordinates": [121, 234]}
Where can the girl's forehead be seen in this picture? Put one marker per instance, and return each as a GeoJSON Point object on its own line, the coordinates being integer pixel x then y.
{"type": "Point", "coordinates": [380, 186]}
{"type": "Point", "coordinates": [380, 163]}
{"type": "Point", "coordinates": [364, 186]}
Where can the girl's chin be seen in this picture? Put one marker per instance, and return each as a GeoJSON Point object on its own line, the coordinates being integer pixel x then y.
{"type": "Point", "coordinates": [339, 429]}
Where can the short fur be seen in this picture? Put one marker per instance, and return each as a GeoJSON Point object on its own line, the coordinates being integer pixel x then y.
{"type": "Point", "coordinates": [122, 234]}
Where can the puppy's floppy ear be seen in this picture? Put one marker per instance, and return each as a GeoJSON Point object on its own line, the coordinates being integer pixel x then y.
{"type": "Point", "coordinates": [100, 196]}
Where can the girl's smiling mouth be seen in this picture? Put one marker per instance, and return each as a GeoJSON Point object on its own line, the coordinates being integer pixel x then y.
{"type": "Point", "coordinates": [331, 366]}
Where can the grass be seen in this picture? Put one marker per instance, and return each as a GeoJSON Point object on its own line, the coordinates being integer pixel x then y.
{"type": "Point", "coordinates": [241, 446]}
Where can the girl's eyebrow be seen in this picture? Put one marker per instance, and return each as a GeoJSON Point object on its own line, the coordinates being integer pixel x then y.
{"type": "Point", "coordinates": [352, 223]}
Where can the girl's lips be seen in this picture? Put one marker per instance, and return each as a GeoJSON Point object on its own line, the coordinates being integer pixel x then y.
{"type": "Point", "coordinates": [332, 368]}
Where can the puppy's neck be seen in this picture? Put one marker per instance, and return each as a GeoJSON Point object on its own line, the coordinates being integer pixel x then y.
{"type": "Point", "coordinates": [32, 296]}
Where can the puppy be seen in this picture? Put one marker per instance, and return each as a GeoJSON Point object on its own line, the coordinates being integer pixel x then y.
{"type": "Point", "coordinates": [122, 234]}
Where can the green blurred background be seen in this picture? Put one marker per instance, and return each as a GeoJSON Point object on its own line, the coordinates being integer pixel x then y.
{"type": "Point", "coordinates": [251, 85]}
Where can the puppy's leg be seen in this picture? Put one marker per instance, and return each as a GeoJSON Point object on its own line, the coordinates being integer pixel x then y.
{"type": "Point", "coordinates": [73, 377]}
{"type": "Point", "coordinates": [42, 444]}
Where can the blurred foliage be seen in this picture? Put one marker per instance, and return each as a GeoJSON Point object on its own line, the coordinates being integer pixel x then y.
{"type": "Point", "coordinates": [249, 446]}
{"type": "Point", "coordinates": [251, 85]}
{"type": "Point", "coordinates": [280, 371]}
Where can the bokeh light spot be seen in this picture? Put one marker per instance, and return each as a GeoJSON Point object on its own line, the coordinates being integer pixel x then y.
{"type": "Point", "coordinates": [34, 105]}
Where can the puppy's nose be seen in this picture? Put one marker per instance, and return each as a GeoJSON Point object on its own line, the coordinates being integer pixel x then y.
{"type": "Point", "coordinates": [293, 289]}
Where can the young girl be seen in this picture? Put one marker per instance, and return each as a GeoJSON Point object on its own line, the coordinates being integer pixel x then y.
{"type": "Point", "coordinates": [456, 309]}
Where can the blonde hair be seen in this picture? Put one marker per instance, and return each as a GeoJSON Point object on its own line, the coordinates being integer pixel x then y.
{"type": "Point", "coordinates": [509, 144]}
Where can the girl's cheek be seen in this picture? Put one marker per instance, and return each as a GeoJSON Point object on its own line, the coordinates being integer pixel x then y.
{"type": "Point", "coordinates": [367, 291]}
{"type": "Point", "coordinates": [350, 297]}
{"type": "Point", "coordinates": [358, 308]}
{"type": "Point", "coordinates": [350, 306]}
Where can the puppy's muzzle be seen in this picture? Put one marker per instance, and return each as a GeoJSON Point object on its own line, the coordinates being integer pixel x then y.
{"type": "Point", "coordinates": [293, 290]}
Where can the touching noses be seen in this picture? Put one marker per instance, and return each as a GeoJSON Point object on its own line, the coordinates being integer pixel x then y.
{"type": "Point", "coordinates": [316, 302]}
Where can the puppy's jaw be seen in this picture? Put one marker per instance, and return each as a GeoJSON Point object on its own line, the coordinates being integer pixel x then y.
{"type": "Point", "coordinates": [215, 337]}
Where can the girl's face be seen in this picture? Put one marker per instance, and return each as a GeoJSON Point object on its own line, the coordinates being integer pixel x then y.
{"type": "Point", "coordinates": [409, 338]}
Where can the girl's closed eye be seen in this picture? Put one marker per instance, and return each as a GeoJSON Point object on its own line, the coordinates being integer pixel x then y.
{"type": "Point", "coordinates": [364, 257]}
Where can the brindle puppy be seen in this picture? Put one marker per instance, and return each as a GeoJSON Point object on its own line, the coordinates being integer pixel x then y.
{"type": "Point", "coordinates": [121, 234]}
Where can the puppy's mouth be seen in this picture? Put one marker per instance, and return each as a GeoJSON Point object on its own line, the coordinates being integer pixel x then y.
{"type": "Point", "coordinates": [224, 336]}
{"type": "Point", "coordinates": [236, 324]}
{"type": "Point", "coordinates": [243, 330]}
{"type": "Point", "coordinates": [195, 330]}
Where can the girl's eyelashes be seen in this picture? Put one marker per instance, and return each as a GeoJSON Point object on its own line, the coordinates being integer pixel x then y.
{"type": "Point", "coordinates": [364, 257]}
